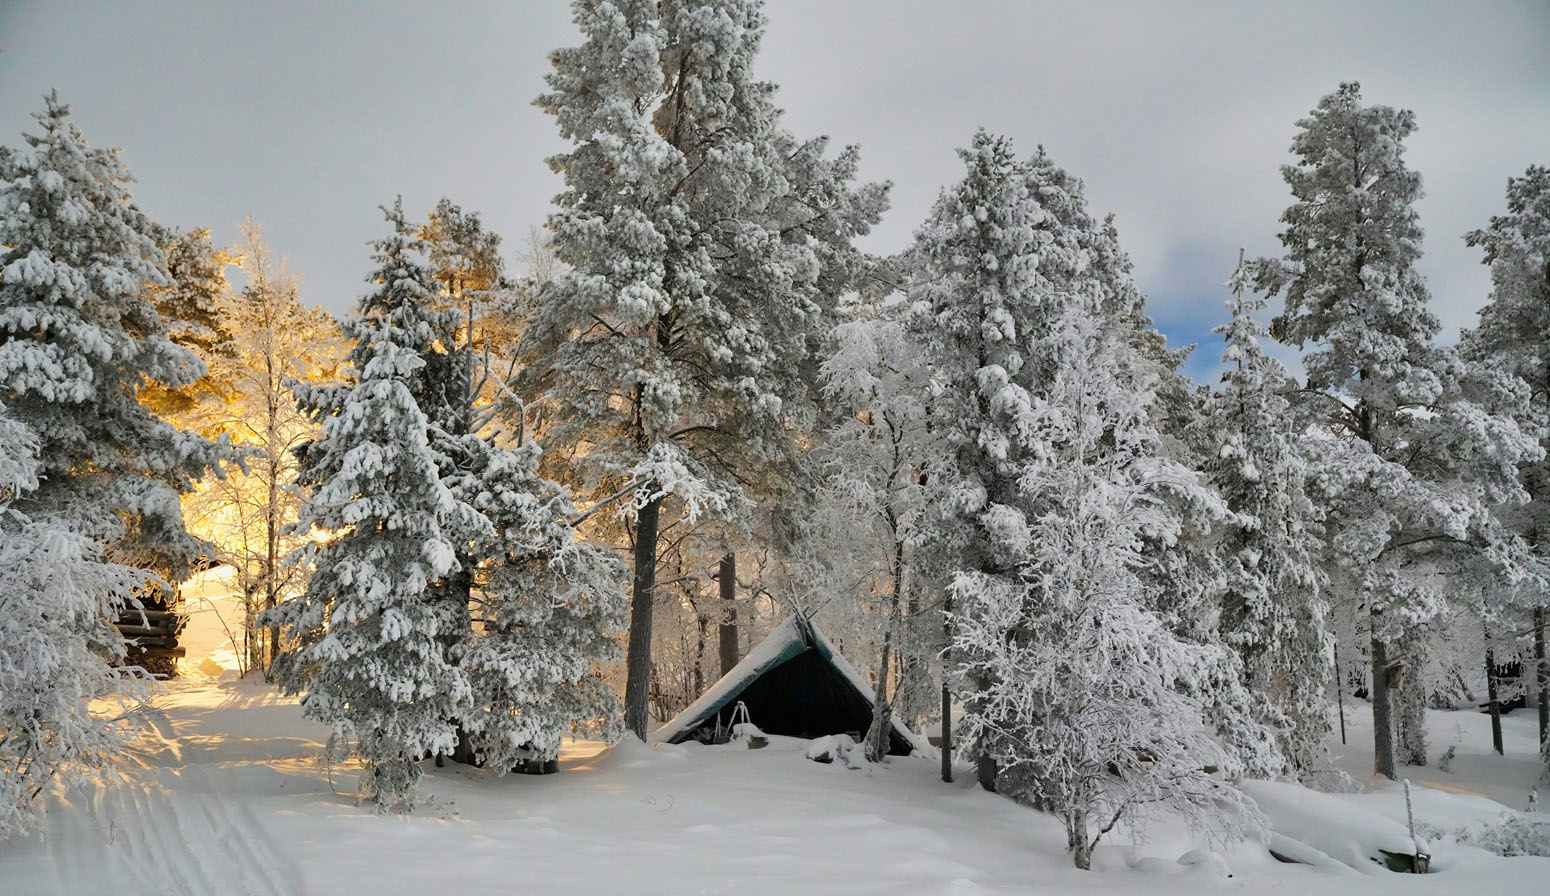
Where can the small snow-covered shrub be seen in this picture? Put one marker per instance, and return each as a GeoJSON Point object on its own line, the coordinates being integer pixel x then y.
{"type": "Point", "coordinates": [841, 748]}
{"type": "Point", "coordinates": [1512, 834]}
{"type": "Point", "coordinates": [1330, 780]}
{"type": "Point", "coordinates": [1445, 761]}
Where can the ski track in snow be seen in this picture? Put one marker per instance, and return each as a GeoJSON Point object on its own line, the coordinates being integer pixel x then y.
{"type": "Point", "coordinates": [170, 830]}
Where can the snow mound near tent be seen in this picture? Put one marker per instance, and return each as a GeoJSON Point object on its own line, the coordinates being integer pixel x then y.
{"type": "Point", "coordinates": [1331, 825]}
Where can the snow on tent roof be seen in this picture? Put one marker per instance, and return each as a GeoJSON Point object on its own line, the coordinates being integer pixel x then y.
{"type": "Point", "coordinates": [794, 683]}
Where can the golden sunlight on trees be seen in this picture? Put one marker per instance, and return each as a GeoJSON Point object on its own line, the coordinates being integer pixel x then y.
{"type": "Point", "coordinates": [271, 341]}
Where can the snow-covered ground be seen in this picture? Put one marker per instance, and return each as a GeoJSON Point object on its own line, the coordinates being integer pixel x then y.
{"type": "Point", "coordinates": [226, 797]}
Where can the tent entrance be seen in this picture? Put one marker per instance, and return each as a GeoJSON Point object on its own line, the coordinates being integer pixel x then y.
{"type": "Point", "coordinates": [802, 697]}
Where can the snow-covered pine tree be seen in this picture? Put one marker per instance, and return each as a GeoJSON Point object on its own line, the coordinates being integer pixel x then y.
{"type": "Point", "coordinates": [79, 338]}
{"type": "Point", "coordinates": [66, 705]}
{"type": "Point", "coordinates": [1513, 340]}
{"type": "Point", "coordinates": [192, 305]}
{"type": "Point", "coordinates": [466, 264]}
{"type": "Point", "coordinates": [979, 283]}
{"type": "Point", "coordinates": [1419, 467]}
{"type": "Point", "coordinates": [373, 629]}
{"type": "Point", "coordinates": [1185, 567]}
{"type": "Point", "coordinates": [701, 245]}
{"type": "Point", "coordinates": [1273, 611]}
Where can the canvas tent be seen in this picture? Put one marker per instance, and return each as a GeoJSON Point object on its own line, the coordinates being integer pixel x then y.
{"type": "Point", "coordinates": [793, 683]}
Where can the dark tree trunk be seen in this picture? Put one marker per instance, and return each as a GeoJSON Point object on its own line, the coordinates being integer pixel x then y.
{"type": "Point", "coordinates": [985, 767]}
{"type": "Point", "coordinates": [882, 709]}
{"type": "Point", "coordinates": [985, 771]}
{"type": "Point", "coordinates": [642, 593]}
{"type": "Point", "coordinates": [1340, 692]}
{"type": "Point", "coordinates": [460, 592]}
{"type": "Point", "coordinates": [882, 706]}
{"type": "Point", "coordinates": [947, 697]}
{"type": "Point", "coordinates": [727, 577]}
{"type": "Point", "coordinates": [271, 649]}
{"type": "Point", "coordinates": [699, 657]}
{"type": "Point", "coordinates": [1542, 665]}
{"type": "Point", "coordinates": [1382, 721]}
{"type": "Point", "coordinates": [947, 735]}
{"type": "Point", "coordinates": [1493, 699]}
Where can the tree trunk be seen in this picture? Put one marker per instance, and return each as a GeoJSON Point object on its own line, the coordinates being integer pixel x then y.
{"type": "Point", "coordinates": [882, 710]}
{"type": "Point", "coordinates": [727, 577]}
{"type": "Point", "coordinates": [985, 768]}
{"type": "Point", "coordinates": [1382, 723]}
{"type": "Point", "coordinates": [270, 646]}
{"type": "Point", "coordinates": [985, 771]}
{"type": "Point", "coordinates": [882, 707]}
{"type": "Point", "coordinates": [1493, 700]}
{"type": "Point", "coordinates": [271, 571]}
{"type": "Point", "coordinates": [642, 593]}
{"type": "Point", "coordinates": [947, 735]}
{"type": "Point", "coordinates": [1409, 704]}
{"type": "Point", "coordinates": [1340, 692]}
{"type": "Point", "coordinates": [947, 697]}
{"type": "Point", "coordinates": [909, 692]}
{"type": "Point", "coordinates": [703, 626]}
{"type": "Point", "coordinates": [1543, 666]}
{"type": "Point", "coordinates": [1076, 839]}
{"type": "Point", "coordinates": [460, 593]}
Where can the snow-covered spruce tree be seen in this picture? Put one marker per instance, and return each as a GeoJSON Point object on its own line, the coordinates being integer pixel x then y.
{"type": "Point", "coordinates": [702, 245]}
{"type": "Point", "coordinates": [544, 605]}
{"type": "Point", "coordinates": [1513, 339]}
{"type": "Point", "coordinates": [373, 630]}
{"type": "Point", "coordinates": [1419, 467]}
{"type": "Point", "coordinates": [1272, 606]}
{"type": "Point", "coordinates": [1088, 710]}
{"type": "Point", "coordinates": [66, 707]}
{"type": "Point", "coordinates": [79, 338]}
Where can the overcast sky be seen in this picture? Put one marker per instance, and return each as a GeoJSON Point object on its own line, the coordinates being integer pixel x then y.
{"type": "Point", "coordinates": [1176, 115]}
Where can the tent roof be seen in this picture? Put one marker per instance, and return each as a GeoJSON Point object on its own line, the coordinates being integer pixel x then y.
{"type": "Point", "coordinates": [791, 639]}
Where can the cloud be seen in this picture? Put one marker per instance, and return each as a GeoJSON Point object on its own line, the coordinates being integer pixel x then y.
{"type": "Point", "coordinates": [1176, 115]}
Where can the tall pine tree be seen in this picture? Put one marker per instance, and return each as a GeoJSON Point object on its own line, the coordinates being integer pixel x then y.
{"type": "Point", "coordinates": [703, 246]}
{"type": "Point", "coordinates": [1513, 340]}
{"type": "Point", "coordinates": [1419, 467]}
